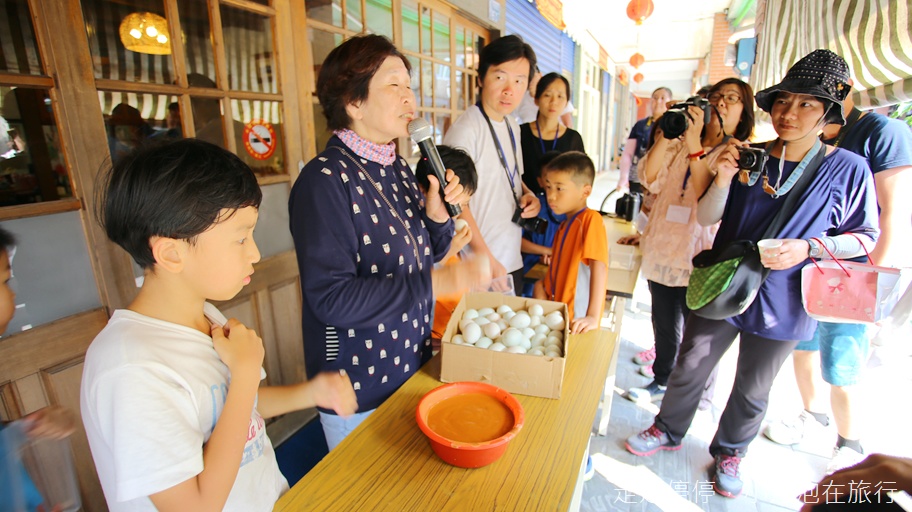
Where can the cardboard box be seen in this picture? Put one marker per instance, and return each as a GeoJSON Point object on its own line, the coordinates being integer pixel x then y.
{"type": "Point", "coordinates": [524, 374]}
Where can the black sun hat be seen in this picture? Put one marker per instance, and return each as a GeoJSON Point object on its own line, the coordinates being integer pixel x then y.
{"type": "Point", "coordinates": [821, 74]}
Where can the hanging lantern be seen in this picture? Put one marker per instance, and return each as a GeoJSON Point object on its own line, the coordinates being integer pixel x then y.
{"type": "Point", "coordinates": [638, 77]}
{"type": "Point", "coordinates": [639, 10]}
{"type": "Point", "coordinates": [637, 60]}
{"type": "Point", "coordinates": [145, 32]}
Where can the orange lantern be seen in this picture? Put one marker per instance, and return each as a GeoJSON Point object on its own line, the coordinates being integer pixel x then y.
{"type": "Point", "coordinates": [639, 10]}
{"type": "Point", "coordinates": [637, 60]}
{"type": "Point", "coordinates": [638, 77]}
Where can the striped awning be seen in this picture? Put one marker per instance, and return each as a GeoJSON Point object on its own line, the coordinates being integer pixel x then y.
{"type": "Point", "coordinates": [873, 36]}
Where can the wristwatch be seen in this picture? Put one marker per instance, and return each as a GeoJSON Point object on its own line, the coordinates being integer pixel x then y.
{"type": "Point", "coordinates": [814, 248]}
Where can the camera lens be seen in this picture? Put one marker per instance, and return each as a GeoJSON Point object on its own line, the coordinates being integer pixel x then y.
{"type": "Point", "coordinates": [673, 124]}
{"type": "Point", "coordinates": [747, 160]}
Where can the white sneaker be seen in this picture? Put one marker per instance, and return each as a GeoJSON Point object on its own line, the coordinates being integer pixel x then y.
{"type": "Point", "coordinates": [793, 431]}
{"type": "Point", "coordinates": [843, 457]}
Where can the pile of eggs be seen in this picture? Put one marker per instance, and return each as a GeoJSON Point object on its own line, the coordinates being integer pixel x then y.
{"type": "Point", "coordinates": [517, 332]}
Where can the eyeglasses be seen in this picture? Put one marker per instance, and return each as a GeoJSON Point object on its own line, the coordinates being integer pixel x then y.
{"type": "Point", "coordinates": [730, 99]}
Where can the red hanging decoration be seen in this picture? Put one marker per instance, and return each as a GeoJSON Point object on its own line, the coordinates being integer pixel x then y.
{"type": "Point", "coordinates": [637, 60]}
{"type": "Point", "coordinates": [638, 77]}
{"type": "Point", "coordinates": [639, 10]}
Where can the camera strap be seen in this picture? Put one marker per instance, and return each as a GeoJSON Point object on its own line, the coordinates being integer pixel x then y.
{"type": "Point", "coordinates": [511, 176]}
{"type": "Point", "coordinates": [552, 272]}
{"type": "Point", "coordinates": [796, 174]}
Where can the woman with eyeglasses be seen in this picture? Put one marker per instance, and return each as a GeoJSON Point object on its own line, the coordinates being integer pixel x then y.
{"type": "Point", "coordinates": [676, 172]}
{"type": "Point", "coordinates": [838, 201]}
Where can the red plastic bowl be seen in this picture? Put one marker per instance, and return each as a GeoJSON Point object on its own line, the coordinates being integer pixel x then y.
{"type": "Point", "coordinates": [461, 454]}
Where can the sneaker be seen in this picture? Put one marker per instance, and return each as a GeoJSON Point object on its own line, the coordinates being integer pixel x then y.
{"type": "Point", "coordinates": [645, 357]}
{"type": "Point", "coordinates": [651, 393]}
{"type": "Point", "coordinates": [650, 441]}
{"type": "Point", "coordinates": [590, 470]}
{"type": "Point", "coordinates": [646, 371]}
{"type": "Point", "coordinates": [843, 457]}
{"type": "Point", "coordinates": [793, 431]}
{"type": "Point", "coordinates": [727, 480]}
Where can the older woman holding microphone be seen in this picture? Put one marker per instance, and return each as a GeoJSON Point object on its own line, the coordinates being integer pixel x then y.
{"type": "Point", "coordinates": [366, 237]}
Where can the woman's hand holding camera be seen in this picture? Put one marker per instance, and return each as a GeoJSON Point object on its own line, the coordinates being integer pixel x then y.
{"type": "Point", "coordinates": [694, 129]}
{"type": "Point", "coordinates": [726, 166]}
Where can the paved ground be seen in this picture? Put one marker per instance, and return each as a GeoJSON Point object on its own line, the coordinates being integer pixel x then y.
{"type": "Point", "coordinates": [774, 474]}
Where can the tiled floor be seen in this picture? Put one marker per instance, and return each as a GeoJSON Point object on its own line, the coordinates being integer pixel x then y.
{"type": "Point", "coordinates": [773, 474]}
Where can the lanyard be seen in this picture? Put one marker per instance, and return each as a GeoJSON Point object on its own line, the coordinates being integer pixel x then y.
{"type": "Point", "coordinates": [790, 182]}
{"type": "Point", "coordinates": [686, 178]}
{"type": "Point", "coordinates": [552, 273]}
{"type": "Point", "coordinates": [511, 176]}
{"type": "Point", "coordinates": [542, 142]}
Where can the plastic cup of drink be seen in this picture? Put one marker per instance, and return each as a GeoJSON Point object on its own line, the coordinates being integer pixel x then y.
{"type": "Point", "coordinates": [769, 248]}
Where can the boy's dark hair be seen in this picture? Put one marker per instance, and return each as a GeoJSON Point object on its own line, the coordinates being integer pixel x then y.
{"type": "Point", "coordinates": [457, 160]}
{"type": "Point", "coordinates": [346, 74]}
{"type": "Point", "coordinates": [576, 163]}
{"type": "Point", "coordinates": [547, 80]}
{"type": "Point", "coordinates": [505, 49]}
{"type": "Point", "coordinates": [7, 240]}
{"type": "Point", "coordinates": [547, 158]}
{"type": "Point", "coordinates": [176, 189]}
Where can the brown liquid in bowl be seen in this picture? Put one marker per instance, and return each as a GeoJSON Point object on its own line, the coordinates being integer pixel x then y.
{"type": "Point", "coordinates": [470, 418]}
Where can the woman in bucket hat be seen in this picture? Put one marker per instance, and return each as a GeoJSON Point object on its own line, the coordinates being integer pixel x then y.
{"type": "Point", "coordinates": [839, 198]}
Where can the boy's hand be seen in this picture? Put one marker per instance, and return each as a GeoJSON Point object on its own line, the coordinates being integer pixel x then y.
{"type": "Point", "coordinates": [333, 390]}
{"type": "Point", "coordinates": [238, 347]}
{"type": "Point", "coordinates": [51, 422]}
{"type": "Point", "coordinates": [545, 259]}
{"type": "Point", "coordinates": [629, 240]}
{"type": "Point", "coordinates": [461, 239]}
{"type": "Point", "coordinates": [584, 324]}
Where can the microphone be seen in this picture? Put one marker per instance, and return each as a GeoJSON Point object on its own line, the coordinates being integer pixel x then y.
{"type": "Point", "coordinates": [423, 135]}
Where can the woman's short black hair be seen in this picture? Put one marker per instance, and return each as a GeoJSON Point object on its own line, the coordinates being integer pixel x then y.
{"type": "Point", "coordinates": [547, 80]}
{"type": "Point", "coordinates": [746, 123]}
{"type": "Point", "coordinates": [175, 189]}
{"type": "Point", "coordinates": [505, 49]}
{"type": "Point", "coordinates": [346, 74]}
{"type": "Point", "coordinates": [457, 160]}
{"type": "Point", "coordinates": [7, 241]}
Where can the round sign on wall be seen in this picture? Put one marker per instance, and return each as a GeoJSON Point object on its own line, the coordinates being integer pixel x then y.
{"type": "Point", "coordinates": [259, 139]}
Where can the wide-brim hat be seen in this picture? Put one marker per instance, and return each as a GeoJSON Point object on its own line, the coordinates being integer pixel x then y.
{"type": "Point", "coordinates": [821, 74]}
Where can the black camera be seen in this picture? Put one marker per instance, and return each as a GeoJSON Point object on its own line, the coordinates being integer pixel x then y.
{"type": "Point", "coordinates": [535, 225]}
{"type": "Point", "coordinates": [674, 122]}
{"type": "Point", "coordinates": [752, 159]}
{"type": "Point", "coordinates": [628, 206]}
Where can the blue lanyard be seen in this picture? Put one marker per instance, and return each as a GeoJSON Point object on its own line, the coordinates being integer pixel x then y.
{"type": "Point", "coordinates": [552, 273]}
{"type": "Point", "coordinates": [790, 182]}
{"type": "Point", "coordinates": [500, 152]}
{"type": "Point", "coordinates": [542, 142]}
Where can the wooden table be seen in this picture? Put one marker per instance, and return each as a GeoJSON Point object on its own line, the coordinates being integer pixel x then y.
{"type": "Point", "coordinates": [388, 464]}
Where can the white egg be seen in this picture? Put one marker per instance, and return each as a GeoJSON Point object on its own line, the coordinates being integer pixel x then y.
{"type": "Point", "coordinates": [528, 332]}
{"type": "Point", "coordinates": [504, 308]}
{"type": "Point", "coordinates": [458, 339]}
{"type": "Point", "coordinates": [463, 323]}
{"type": "Point", "coordinates": [542, 329]}
{"type": "Point", "coordinates": [536, 310]}
{"type": "Point", "coordinates": [482, 321]}
{"type": "Point", "coordinates": [552, 348]}
{"type": "Point", "coordinates": [553, 353]}
{"type": "Point", "coordinates": [460, 224]}
{"type": "Point", "coordinates": [485, 311]}
{"type": "Point", "coordinates": [538, 340]}
{"type": "Point", "coordinates": [554, 321]}
{"type": "Point", "coordinates": [497, 347]}
{"type": "Point", "coordinates": [471, 333]}
{"type": "Point", "coordinates": [526, 344]}
{"type": "Point", "coordinates": [521, 320]}
{"type": "Point", "coordinates": [552, 340]}
{"type": "Point", "coordinates": [492, 317]}
{"type": "Point", "coordinates": [511, 337]}
{"type": "Point", "coordinates": [559, 334]}
{"type": "Point", "coordinates": [470, 314]}
{"type": "Point", "coordinates": [516, 350]}
{"type": "Point", "coordinates": [483, 342]}
{"type": "Point", "coordinates": [491, 330]}
{"type": "Point", "coordinates": [507, 315]}
{"type": "Point", "coordinates": [503, 324]}
{"type": "Point", "coordinates": [536, 351]}
{"type": "Point", "coordinates": [535, 321]}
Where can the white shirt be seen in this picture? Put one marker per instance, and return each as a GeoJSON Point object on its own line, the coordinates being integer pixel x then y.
{"type": "Point", "coordinates": [151, 394]}
{"type": "Point", "coordinates": [494, 201]}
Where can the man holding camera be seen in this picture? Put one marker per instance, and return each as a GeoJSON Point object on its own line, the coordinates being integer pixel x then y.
{"type": "Point", "coordinates": [502, 204]}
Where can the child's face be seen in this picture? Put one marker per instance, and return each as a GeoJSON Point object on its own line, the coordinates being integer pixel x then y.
{"type": "Point", "coordinates": [221, 261]}
{"type": "Point", "coordinates": [7, 295]}
{"type": "Point", "coordinates": [565, 195]}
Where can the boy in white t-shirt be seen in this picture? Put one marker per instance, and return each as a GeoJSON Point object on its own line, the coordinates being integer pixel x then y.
{"type": "Point", "coordinates": [170, 392]}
